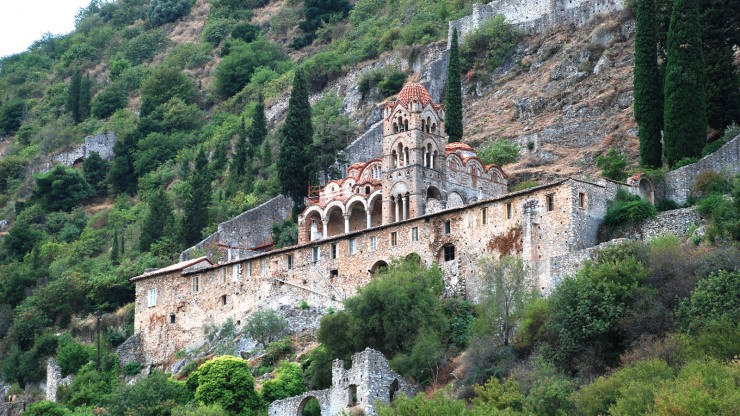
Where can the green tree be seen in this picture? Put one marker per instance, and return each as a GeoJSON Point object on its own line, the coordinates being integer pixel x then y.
{"type": "Point", "coordinates": [12, 113]}
{"type": "Point", "coordinates": [109, 101]}
{"type": "Point", "coordinates": [96, 172]}
{"type": "Point", "coordinates": [159, 220]}
{"type": "Point", "coordinates": [226, 381]}
{"type": "Point", "coordinates": [684, 116]}
{"type": "Point", "coordinates": [154, 395]}
{"type": "Point", "coordinates": [72, 104]}
{"type": "Point", "coordinates": [165, 11]}
{"type": "Point", "coordinates": [716, 297]}
{"type": "Point", "coordinates": [265, 326]}
{"type": "Point", "coordinates": [71, 356]}
{"type": "Point", "coordinates": [85, 98]}
{"type": "Point", "coordinates": [46, 408]}
{"type": "Point", "coordinates": [612, 165]}
{"type": "Point", "coordinates": [240, 158]}
{"type": "Point", "coordinates": [318, 369]}
{"type": "Point", "coordinates": [453, 96]}
{"type": "Point", "coordinates": [114, 248]}
{"type": "Point", "coordinates": [61, 188]}
{"type": "Point", "coordinates": [647, 86]}
{"type": "Point", "coordinates": [499, 152]}
{"type": "Point", "coordinates": [197, 200]}
{"type": "Point", "coordinates": [21, 239]}
{"type": "Point", "coordinates": [297, 135]}
{"type": "Point", "coordinates": [258, 130]}
{"type": "Point", "coordinates": [236, 69]}
{"type": "Point", "coordinates": [288, 382]}
{"type": "Point", "coordinates": [164, 84]}
{"type": "Point", "coordinates": [122, 174]}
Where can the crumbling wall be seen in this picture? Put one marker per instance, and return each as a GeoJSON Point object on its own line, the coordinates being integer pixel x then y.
{"type": "Point", "coordinates": [677, 222]}
{"type": "Point", "coordinates": [102, 143]}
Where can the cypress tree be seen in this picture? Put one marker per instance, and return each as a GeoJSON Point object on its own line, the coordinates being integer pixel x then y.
{"type": "Point", "coordinates": [197, 200]}
{"type": "Point", "coordinates": [239, 159]}
{"type": "Point", "coordinates": [297, 136]}
{"type": "Point", "coordinates": [453, 96]}
{"type": "Point", "coordinates": [122, 174]}
{"type": "Point", "coordinates": [258, 131]}
{"type": "Point", "coordinates": [158, 222]}
{"type": "Point", "coordinates": [114, 250]}
{"type": "Point", "coordinates": [83, 106]}
{"type": "Point", "coordinates": [648, 94]}
{"type": "Point", "coordinates": [73, 96]}
{"type": "Point", "coordinates": [722, 89]}
{"type": "Point", "coordinates": [684, 117]}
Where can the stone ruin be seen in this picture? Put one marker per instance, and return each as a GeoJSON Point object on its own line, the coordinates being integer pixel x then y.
{"type": "Point", "coordinates": [359, 388]}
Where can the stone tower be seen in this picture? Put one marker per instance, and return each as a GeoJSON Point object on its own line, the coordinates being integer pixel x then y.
{"type": "Point", "coordinates": [414, 142]}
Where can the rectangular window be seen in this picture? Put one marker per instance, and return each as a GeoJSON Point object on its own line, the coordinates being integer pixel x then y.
{"type": "Point", "coordinates": [415, 234]}
{"type": "Point", "coordinates": [315, 254]}
{"type": "Point", "coordinates": [484, 216]}
{"type": "Point", "coordinates": [447, 227]}
{"type": "Point", "coordinates": [509, 211]}
{"type": "Point", "coordinates": [195, 283]}
{"type": "Point", "coordinates": [249, 269]}
{"type": "Point", "coordinates": [235, 273]}
{"type": "Point", "coordinates": [263, 266]}
{"type": "Point", "coordinates": [334, 251]}
{"type": "Point", "coordinates": [238, 272]}
{"type": "Point", "coordinates": [394, 238]}
{"type": "Point", "coordinates": [352, 246]}
{"type": "Point", "coordinates": [152, 297]}
{"type": "Point", "coordinates": [223, 299]}
{"type": "Point", "coordinates": [449, 253]}
{"type": "Point", "coordinates": [581, 200]}
{"type": "Point", "coordinates": [222, 275]}
{"type": "Point", "coordinates": [373, 243]}
{"type": "Point", "coordinates": [551, 202]}
{"type": "Point", "coordinates": [290, 261]}
{"type": "Point", "coordinates": [333, 274]}
{"type": "Point", "coordinates": [172, 318]}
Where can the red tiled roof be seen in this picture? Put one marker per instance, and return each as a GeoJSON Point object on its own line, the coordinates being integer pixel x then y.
{"type": "Point", "coordinates": [413, 91]}
{"type": "Point", "coordinates": [451, 147]}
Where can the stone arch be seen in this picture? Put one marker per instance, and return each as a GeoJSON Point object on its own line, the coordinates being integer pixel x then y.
{"type": "Point", "coordinates": [378, 267]}
{"type": "Point", "coordinates": [434, 193]}
{"type": "Point", "coordinates": [415, 257]}
{"type": "Point", "coordinates": [357, 213]}
{"type": "Point", "coordinates": [312, 223]}
{"type": "Point", "coordinates": [334, 216]}
{"type": "Point", "coordinates": [375, 205]}
{"type": "Point", "coordinates": [646, 189]}
{"type": "Point", "coordinates": [455, 200]}
{"type": "Point", "coordinates": [454, 162]}
{"type": "Point", "coordinates": [303, 403]}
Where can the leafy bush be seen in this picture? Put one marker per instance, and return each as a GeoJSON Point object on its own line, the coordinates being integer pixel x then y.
{"type": "Point", "coordinates": [145, 46]}
{"type": "Point", "coordinates": [318, 369]}
{"type": "Point", "coordinates": [165, 11]}
{"type": "Point", "coordinates": [71, 356]}
{"type": "Point", "coordinates": [154, 395]}
{"type": "Point", "coordinates": [612, 165]}
{"type": "Point", "coordinates": [701, 387]}
{"type": "Point", "coordinates": [277, 350]}
{"type": "Point", "coordinates": [288, 382]}
{"type": "Point", "coordinates": [628, 209]}
{"type": "Point", "coordinates": [245, 31]}
{"type": "Point", "coordinates": [492, 44]}
{"type": "Point", "coordinates": [499, 152]}
{"type": "Point", "coordinates": [11, 115]}
{"type": "Point", "coordinates": [716, 297]}
{"type": "Point", "coordinates": [236, 69]}
{"type": "Point", "coordinates": [164, 84]}
{"type": "Point", "coordinates": [711, 183]}
{"type": "Point", "coordinates": [109, 101]}
{"type": "Point", "coordinates": [216, 30]}
{"type": "Point", "coordinates": [226, 381]}
{"type": "Point", "coordinates": [524, 185]}
{"type": "Point", "coordinates": [684, 161]}
{"type": "Point", "coordinates": [132, 368]}
{"type": "Point", "coordinates": [46, 408]}
{"type": "Point", "coordinates": [265, 326]}
{"type": "Point", "coordinates": [61, 188]}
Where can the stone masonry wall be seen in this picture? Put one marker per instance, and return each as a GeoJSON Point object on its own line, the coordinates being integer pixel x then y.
{"type": "Point", "coordinates": [678, 183]}
{"type": "Point", "coordinates": [244, 233]}
{"type": "Point", "coordinates": [186, 302]}
{"type": "Point", "coordinates": [102, 143]}
{"type": "Point", "coordinates": [677, 222]}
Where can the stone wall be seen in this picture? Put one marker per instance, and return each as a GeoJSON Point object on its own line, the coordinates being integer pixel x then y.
{"type": "Point", "coordinates": [677, 222]}
{"type": "Point", "coordinates": [102, 143]}
{"type": "Point", "coordinates": [678, 183]}
{"type": "Point", "coordinates": [324, 272]}
{"type": "Point", "coordinates": [359, 388]}
{"type": "Point", "coordinates": [243, 235]}
{"type": "Point", "coordinates": [568, 264]}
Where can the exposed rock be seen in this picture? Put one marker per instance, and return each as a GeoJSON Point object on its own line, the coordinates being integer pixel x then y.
{"type": "Point", "coordinates": [130, 350]}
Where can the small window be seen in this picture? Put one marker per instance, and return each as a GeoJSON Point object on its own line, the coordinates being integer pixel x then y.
{"type": "Point", "coordinates": [263, 266]}
{"type": "Point", "coordinates": [195, 283]}
{"type": "Point", "coordinates": [333, 274]}
{"type": "Point", "coordinates": [509, 211]}
{"type": "Point", "coordinates": [352, 395]}
{"type": "Point", "coordinates": [152, 297]}
{"type": "Point", "coordinates": [449, 253]}
{"type": "Point", "coordinates": [394, 238]}
{"type": "Point", "coordinates": [447, 227]}
{"type": "Point", "coordinates": [334, 251]}
{"type": "Point", "coordinates": [222, 275]}
{"type": "Point", "coordinates": [223, 299]}
{"type": "Point", "coordinates": [352, 246]}
{"type": "Point", "coordinates": [290, 261]}
{"type": "Point", "coordinates": [172, 318]}
{"type": "Point", "coordinates": [551, 202]}
{"type": "Point", "coordinates": [315, 254]}
{"type": "Point", "coordinates": [367, 190]}
{"type": "Point", "coordinates": [235, 272]}
{"type": "Point", "coordinates": [415, 234]}
{"type": "Point", "coordinates": [373, 243]}
{"type": "Point", "coordinates": [582, 200]}
{"type": "Point", "coordinates": [484, 216]}
{"type": "Point", "coordinates": [249, 268]}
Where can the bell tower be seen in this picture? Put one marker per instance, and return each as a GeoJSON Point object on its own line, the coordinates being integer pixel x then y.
{"type": "Point", "coordinates": [414, 142]}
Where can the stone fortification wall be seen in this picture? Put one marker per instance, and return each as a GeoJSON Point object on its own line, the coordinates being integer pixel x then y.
{"type": "Point", "coordinates": [102, 143]}
{"type": "Point", "coordinates": [324, 272]}
{"type": "Point", "coordinates": [239, 237]}
{"type": "Point", "coordinates": [568, 264]}
{"type": "Point", "coordinates": [359, 388]}
{"type": "Point", "coordinates": [677, 222]}
{"type": "Point", "coordinates": [678, 183]}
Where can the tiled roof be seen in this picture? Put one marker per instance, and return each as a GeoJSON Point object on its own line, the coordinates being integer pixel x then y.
{"type": "Point", "coordinates": [413, 91]}
{"type": "Point", "coordinates": [171, 268]}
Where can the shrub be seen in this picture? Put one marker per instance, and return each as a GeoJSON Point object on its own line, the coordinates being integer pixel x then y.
{"type": "Point", "coordinates": [492, 44]}
{"type": "Point", "coordinates": [711, 183]}
{"type": "Point", "coordinates": [164, 84]}
{"type": "Point", "coordinates": [730, 133]}
{"type": "Point", "coordinates": [61, 188]}
{"type": "Point", "coordinates": [143, 47]}
{"type": "Point", "coordinates": [154, 395]}
{"type": "Point", "coordinates": [684, 161]}
{"type": "Point", "coordinates": [628, 209]}
{"type": "Point", "coordinates": [265, 326]}
{"type": "Point", "coordinates": [246, 32]}
{"type": "Point", "coordinates": [392, 83]}
{"type": "Point", "coordinates": [11, 115]}
{"type": "Point", "coordinates": [132, 368]}
{"type": "Point", "coordinates": [216, 30]}
{"type": "Point", "coordinates": [524, 185]}
{"type": "Point", "coordinates": [71, 356]}
{"type": "Point", "coordinates": [226, 381]}
{"type": "Point", "coordinates": [318, 369]}
{"type": "Point", "coordinates": [277, 350]}
{"type": "Point", "coordinates": [109, 101]}
{"type": "Point", "coordinates": [701, 387]}
{"type": "Point", "coordinates": [716, 297]}
{"type": "Point", "coordinates": [499, 152]}
{"type": "Point", "coordinates": [165, 11]}
{"type": "Point", "coordinates": [612, 165]}
{"type": "Point", "coordinates": [199, 410]}
{"type": "Point", "coordinates": [288, 382]}
{"type": "Point", "coordinates": [46, 408]}
{"type": "Point", "coordinates": [236, 69]}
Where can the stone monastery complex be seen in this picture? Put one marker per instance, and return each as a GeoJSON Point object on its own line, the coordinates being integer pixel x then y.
{"type": "Point", "coordinates": [424, 197]}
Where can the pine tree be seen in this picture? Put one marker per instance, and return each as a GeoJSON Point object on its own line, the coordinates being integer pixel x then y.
{"type": "Point", "coordinates": [96, 170]}
{"type": "Point", "coordinates": [122, 176]}
{"type": "Point", "coordinates": [158, 222]}
{"type": "Point", "coordinates": [647, 87]}
{"type": "Point", "coordinates": [114, 249]}
{"type": "Point", "coordinates": [258, 131]}
{"type": "Point", "coordinates": [73, 96]}
{"type": "Point", "coordinates": [720, 32]}
{"type": "Point", "coordinates": [239, 159]}
{"type": "Point", "coordinates": [83, 105]}
{"type": "Point", "coordinates": [684, 117]}
{"type": "Point", "coordinates": [297, 136]}
{"type": "Point", "coordinates": [197, 200]}
{"type": "Point", "coordinates": [453, 105]}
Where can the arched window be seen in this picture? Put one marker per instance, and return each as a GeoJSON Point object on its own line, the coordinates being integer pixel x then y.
{"type": "Point", "coordinates": [423, 124]}
{"type": "Point", "coordinates": [405, 155]}
{"type": "Point", "coordinates": [394, 155]}
{"type": "Point", "coordinates": [429, 121]}
{"type": "Point", "coordinates": [434, 128]}
{"type": "Point", "coordinates": [400, 123]}
{"type": "Point", "coordinates": [400, 155]}
{"type": "Point", "coordinates": [395, 127]}
{"type": "Point", "coordinates": [434, 158]}
{"type": "Point", "coordinates": [367, 190]}
{"type": "Point", "coordinates": [406, 125]}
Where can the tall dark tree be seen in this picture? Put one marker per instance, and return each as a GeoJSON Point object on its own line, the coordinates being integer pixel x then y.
{"type": "Point", "coordinates": [96, 171]}
{"type": "Point", "coordinates": [258, 130]}
{"type": "Point", "coordinates": [114, 248]}
{"type": "Point", "coordinates": [648, 92]}
{"type": "Point", "coordinates": [83, 106]}
{"type": "Point", "coordinates": [122, 175]}
{"type": "Point", "coordinates": [453, 97]}
{"type": "Point", "coordinates": [297, 135]}
{"type": "Point", "coordinates": [73, 96]}
{"type": "Point", "coordinates": [158, 222]}
{"type": "Point", "coordinates": [720, 32]}
{"type": "Point", "coordinates": [197, 200]}
{"type": "Point", "coordinates": [241, 153]}
{"type": "Point", "coordinates": [684, 117]}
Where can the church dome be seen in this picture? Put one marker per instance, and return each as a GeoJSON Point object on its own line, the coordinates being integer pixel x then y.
{"type": "Point", "coordinates": [413, 92]}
